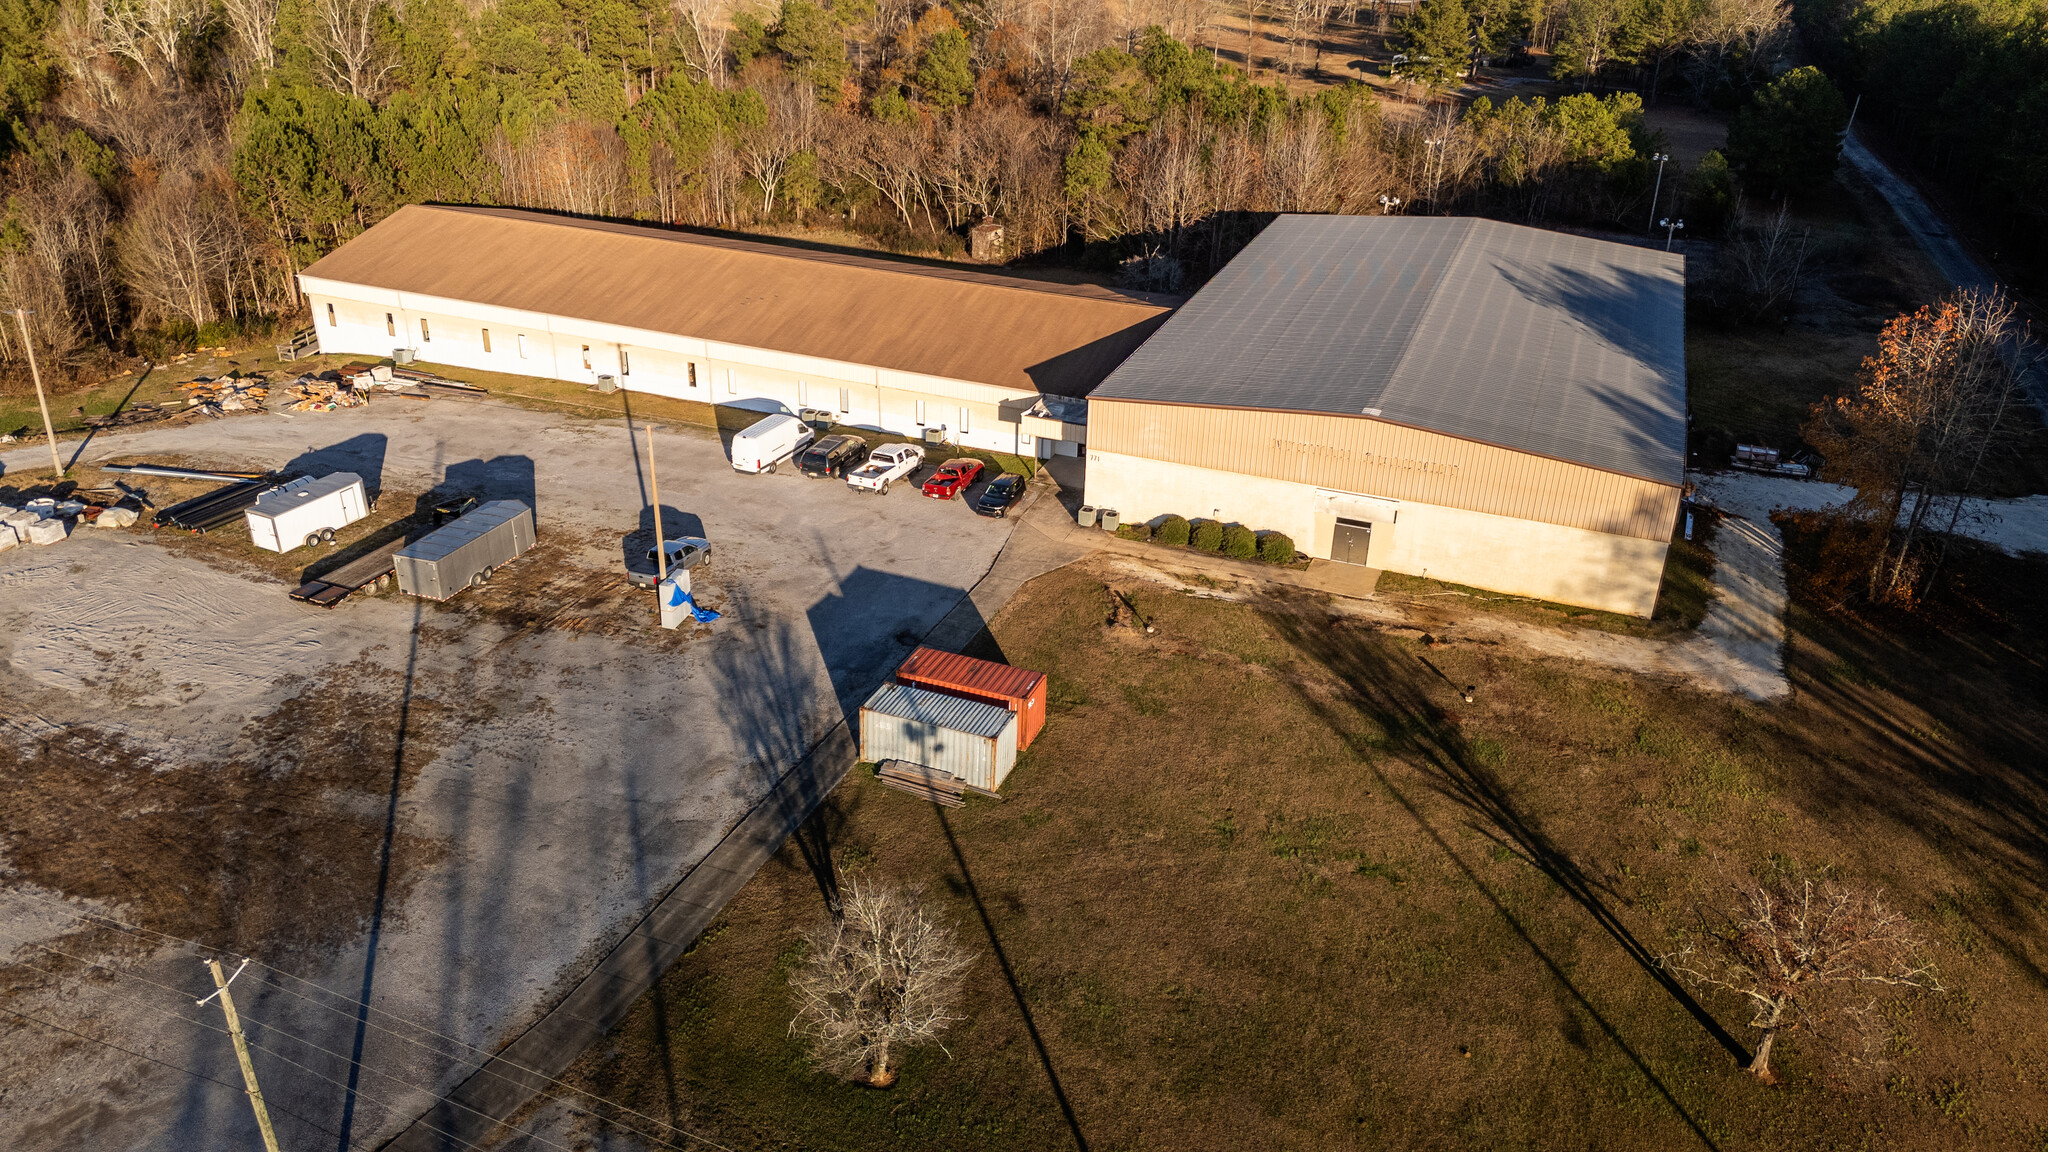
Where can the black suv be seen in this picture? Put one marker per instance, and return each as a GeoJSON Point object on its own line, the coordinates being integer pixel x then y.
{"type": "Point", "coordinates": [834, 456]}
{"type": "Point", "coordinates": [995, 500]}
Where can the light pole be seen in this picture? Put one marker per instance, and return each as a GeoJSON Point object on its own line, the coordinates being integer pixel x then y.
{"type": "Point", "coordinates": [36, 374]}
{"type": "Point", "coordinates": [1388, 204]}
{"type": "Point", "coordinates": [1435, 168]}
{"type": "Point", "coordinates": [1661, 159]}
{"type": "Point", "coordinates": [1670, 227]}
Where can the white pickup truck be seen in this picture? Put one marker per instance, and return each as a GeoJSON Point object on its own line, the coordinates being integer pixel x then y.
{"type": "Point", "coordinates": [889, 463]}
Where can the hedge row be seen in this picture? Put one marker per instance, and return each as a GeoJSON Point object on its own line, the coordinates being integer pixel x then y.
{"type": "Point", "coordinates": [1233, 540]}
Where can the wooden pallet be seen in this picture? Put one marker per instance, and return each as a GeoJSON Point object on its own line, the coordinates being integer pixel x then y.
{"type": "Point", "coordinates": [941, 788]}
{"type": "Point", "coordinates": [929, 783]}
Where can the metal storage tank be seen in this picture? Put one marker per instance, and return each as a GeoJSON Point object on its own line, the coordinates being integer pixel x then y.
{"type": "Point", "coordinates": [451, 558]}
{"type": "Point", "coordinates": [1020, 690]}
{"type": "Point", "coordinates": [976, 742]}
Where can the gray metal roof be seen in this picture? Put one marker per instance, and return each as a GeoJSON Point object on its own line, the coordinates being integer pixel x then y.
{"type": "Point", "coordinates": [970, 716]}
{"type": "Point", "coordinates": [286, 497]}
{"type": "Point", "coordinates": [1538, 341]}
{"type": "Point", "coordinates": [443, 541]}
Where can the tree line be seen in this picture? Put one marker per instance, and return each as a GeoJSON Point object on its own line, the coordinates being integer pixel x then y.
{"type": "Point", "coordinates": [168, 166]}
{"type": "Point", "coordinates": [1962, 85]}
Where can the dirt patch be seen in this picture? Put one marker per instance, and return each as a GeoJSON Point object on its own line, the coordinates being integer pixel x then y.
{"type": "Point", "coordinates": [274, 851]}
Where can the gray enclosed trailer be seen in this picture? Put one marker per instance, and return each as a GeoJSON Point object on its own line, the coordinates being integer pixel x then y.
{"type": "Point", "coordinates": [449, 559]}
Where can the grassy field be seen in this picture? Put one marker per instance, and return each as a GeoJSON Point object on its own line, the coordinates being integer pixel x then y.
{"type": "Point", "coordinates": [1265, 882]}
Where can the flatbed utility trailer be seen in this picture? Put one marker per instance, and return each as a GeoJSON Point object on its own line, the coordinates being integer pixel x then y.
{"type": "Point", "coordinates": [338, 585]}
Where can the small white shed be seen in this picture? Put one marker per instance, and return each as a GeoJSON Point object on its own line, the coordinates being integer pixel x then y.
{"type": "Point", "coordinates": [307, 511]}
{"type": "Point", "coordinates": [974, 741]}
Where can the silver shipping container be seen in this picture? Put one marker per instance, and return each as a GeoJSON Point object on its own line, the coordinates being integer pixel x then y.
{"type": "Point", "coordinates": [975, 741]}
{"type": "Point", "coordinates": [451, 558]}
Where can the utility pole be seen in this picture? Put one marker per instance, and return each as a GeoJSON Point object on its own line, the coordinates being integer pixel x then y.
{"type": "Point", "coordinates": [36, 374]}
{"type": "Point", "coordinates": [227, 1007]}
{"type": "Point", "coordinates": [654, 483]}
{"type": "Point", "coordinates": [1661, 158]}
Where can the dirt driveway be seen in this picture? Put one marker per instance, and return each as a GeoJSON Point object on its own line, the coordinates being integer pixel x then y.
{"type": "Point", "coordinates": [460, 805]}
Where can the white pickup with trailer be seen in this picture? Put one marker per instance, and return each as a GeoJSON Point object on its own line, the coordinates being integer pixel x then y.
{"type": "Point", "coordinates": [888, 464]}
{"type": "Point", "coordinates": [307, 511]}
{"type": "Point", "coordinates": [766, 443]}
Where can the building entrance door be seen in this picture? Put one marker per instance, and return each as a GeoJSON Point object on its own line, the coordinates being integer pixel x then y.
{"type": "Point", "coordinates": [1352, 542]}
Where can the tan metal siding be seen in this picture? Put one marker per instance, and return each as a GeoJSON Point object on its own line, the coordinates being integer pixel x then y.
{"type": "Point", "coordinates": [1373, 457]}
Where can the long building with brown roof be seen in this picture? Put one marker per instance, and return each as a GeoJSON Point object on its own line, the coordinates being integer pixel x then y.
{"type": "Point", "coordinates": [888, 343]}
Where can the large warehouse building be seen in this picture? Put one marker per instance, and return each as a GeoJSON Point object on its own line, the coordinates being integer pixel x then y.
{"type": "Point", "coordinates": [1455, 398]}
{"type": "Point", "coordinates": [985, 360]}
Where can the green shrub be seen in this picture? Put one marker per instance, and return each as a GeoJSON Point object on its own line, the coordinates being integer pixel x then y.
{"type": "Point", "coordinates": [1239, 543]}
{"type": "Point", "coordinates": [1276, 548]}
{"type": "Point", "coordinates": [1134, 531]}
{"type": "Point", "coordinates": [1172, 531]}
{"type": "Point", "coordinates": [1208, 536]}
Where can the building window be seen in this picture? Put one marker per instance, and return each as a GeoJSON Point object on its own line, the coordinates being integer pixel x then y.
{"type": "Point", "coordinates": [330, 315]}
{"type": "Point", "coordinates": [426, 337]}
{"type": "Point", "coordinates": [692, 367]}
{"type": "Point", "coordinates": [802, 394]}
{"type": "Point", "coordinates": [390, 324]}
{"type": "Point", "coordinates": [625, 363]}
{"type": "Point", "coordinates": [920, 413]}
{"type": "Point", "coordinates": [846, 399]}
{"type": "Point", "coordinates": [487, 339]}
{"type": "Point", "coordinates": [732, 386]}
{"type": "Point", "coordinates": [963, 420]}
{"type": "Point", "coordinates": [522, 345]}
{"type": "Point", "coordinates": [586, 357]}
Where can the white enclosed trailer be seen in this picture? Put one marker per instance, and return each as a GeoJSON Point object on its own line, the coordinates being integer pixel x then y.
{"type": "Point", "coordinates": [307, 511]}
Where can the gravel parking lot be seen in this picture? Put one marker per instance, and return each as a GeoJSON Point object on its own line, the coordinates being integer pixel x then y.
{"type": "Point", "coordinates": [489, 790]}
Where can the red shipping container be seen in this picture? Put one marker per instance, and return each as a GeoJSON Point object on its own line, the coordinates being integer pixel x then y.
{"type": "Point", "coordinates": [1019, 689]}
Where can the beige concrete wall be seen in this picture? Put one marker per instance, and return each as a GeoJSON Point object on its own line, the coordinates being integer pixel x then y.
{"type": "Point", "coordinates": [1603, 570]}
{"type": "Point", "coordinates": [1366, 454]}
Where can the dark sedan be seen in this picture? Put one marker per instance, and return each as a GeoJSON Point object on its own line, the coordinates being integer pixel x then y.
{"type": "Point", "coordinates": [1003, 491]}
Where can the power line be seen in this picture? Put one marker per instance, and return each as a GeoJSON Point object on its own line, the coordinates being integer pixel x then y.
{"type": "Point", "coordinates": [161, 1011]}
{"type": "Point", "coordinates": [153, 1060]}
{"type": "Point", "coordinates": [480, 1065]}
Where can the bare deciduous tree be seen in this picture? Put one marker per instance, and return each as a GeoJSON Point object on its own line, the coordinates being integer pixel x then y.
{"type": "Point", "coordinates": [790, 127]}
{"type": "Point", "coordinates": [575, 165]}
{"type": "Point", "coordinates": [1790, 945]}
{"type": "Point", "coordinates": [254, 23]}
{"type": "Point", "coordinates": [884, 975]}
{"type": "Point", "coordinates": [702, 27]}
{"type": "Point", "coordinates": [348, 53]}
{"type": "Point", "coordinates": [180, 244]}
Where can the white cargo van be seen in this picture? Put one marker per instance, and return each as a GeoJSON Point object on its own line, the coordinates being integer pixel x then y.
{"type": "Point", "coordinates": [769, 442]}
{"type": "Point", "coordinates": [307, 511]}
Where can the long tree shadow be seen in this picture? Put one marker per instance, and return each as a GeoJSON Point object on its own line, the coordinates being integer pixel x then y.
{"type": "Point", "coordinates": [995, 944]}
{"type": "Point", "coordinates": [1393, 690]}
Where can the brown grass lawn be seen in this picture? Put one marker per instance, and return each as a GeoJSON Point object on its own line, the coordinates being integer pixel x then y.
{"type": "Point", "coordinates": [1265, 882]}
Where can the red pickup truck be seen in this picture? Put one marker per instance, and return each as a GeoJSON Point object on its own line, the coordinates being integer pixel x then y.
{"type": "Point", "coordinates": [952, 478]}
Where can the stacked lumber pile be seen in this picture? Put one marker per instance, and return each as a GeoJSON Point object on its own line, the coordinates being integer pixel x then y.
{"type": "Point", "coordinates": [227, 393]}
{"type": "Point", "coordinates": [941, 788]}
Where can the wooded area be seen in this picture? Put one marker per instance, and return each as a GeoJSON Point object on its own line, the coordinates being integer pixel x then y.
{"type": "Point", "coordinates": [1961, 84]}
{"type": "Point", "coordinates": [169, 165]}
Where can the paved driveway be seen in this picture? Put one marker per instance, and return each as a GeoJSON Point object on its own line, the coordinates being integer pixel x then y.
{"type": "Point", "coordinates": [597, 769]}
